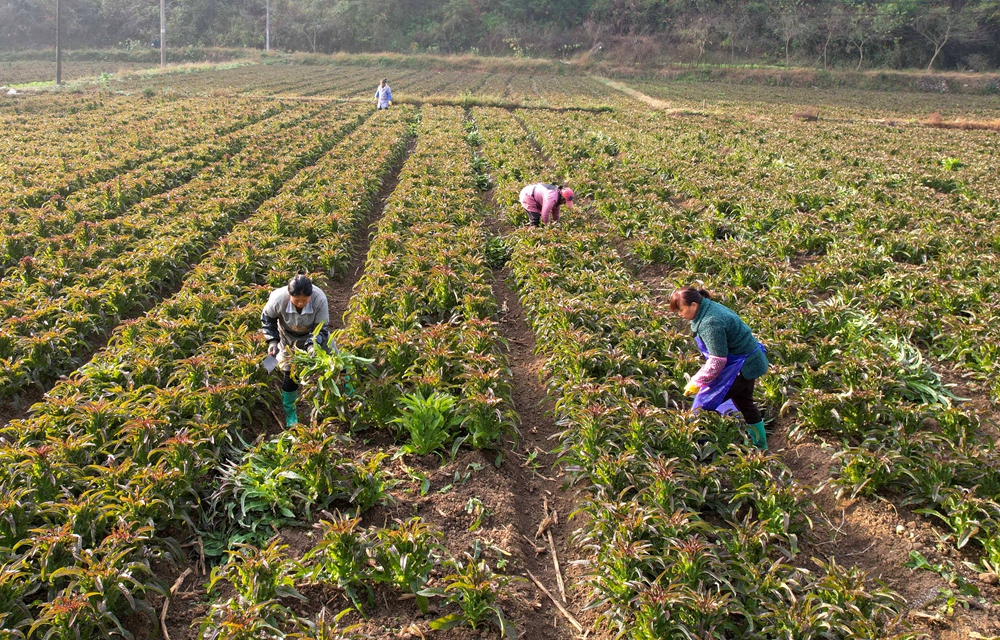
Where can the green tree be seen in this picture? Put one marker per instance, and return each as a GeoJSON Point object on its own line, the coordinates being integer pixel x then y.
{"type": "Point", "coordinates": [312, 19]}
{"type": "Point", "coordinates": [943, 24]}
{"type": "Point", "coordinates": [867, 22]}
{"type": "Point", "coordinates": [788, 23]}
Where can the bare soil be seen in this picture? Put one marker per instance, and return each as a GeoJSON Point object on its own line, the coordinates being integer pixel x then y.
{"type": "Point", "coordinates": [17, 408]}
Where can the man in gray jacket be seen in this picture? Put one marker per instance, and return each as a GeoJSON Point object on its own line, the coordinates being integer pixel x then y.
{"type": "Point", "coordinates": [289, 318]}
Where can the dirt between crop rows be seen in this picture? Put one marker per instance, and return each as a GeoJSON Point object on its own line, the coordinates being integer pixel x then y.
{"type": "Point", "coordinates": [18, 408]}
{"type": "Point", "coordinates": [877, 535]}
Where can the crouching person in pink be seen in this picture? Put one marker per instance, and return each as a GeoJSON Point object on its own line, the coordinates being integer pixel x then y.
{"type": "Point", "coordinates": [542, 202]}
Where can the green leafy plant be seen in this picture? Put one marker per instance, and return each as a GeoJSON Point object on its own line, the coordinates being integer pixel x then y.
{"type": "Point", "coordinates": [475, 507]}
{"type": "Point", "coordinates": [103, 584]}
{"type": "Point", "coordinates": [326, 627]}
{"type": "Point", "coordinates": [498, 251]}
{"type": "Point", "coordinates": [260, 577]}
{"type": "Point", "coordinates": [242, 620]}
{"type": "Point", "coordinates": [285, 478]}
{"type": "Point", "coordinates": [333, 377]}
{"type": "Point", "coordinates": [473, 587]}
{"type": "Point", "coordinates": [959, 589]}
{"type": "Point", "coordinates": [258, 574]}
{"type": "Point", "coordinates": [341, 557]}
{"type": "Point", "coordinates": [429, 420]}
{"type": "Point", "coordinates": [405, 555]}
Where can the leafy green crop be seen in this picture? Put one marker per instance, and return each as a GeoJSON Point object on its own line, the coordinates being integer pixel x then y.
{"type": "Point", "coordinates": [429, 421]}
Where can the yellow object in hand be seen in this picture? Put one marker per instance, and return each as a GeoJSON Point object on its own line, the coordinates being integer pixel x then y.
{"type": "Point", "coordinates": [692, 389]}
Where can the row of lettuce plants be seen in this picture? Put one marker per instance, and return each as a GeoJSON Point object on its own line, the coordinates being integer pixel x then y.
{"type": "Point", "coordinates": [48, 339]}
{"type": "Point", "coordinates": [144, 446]}
{"type": "Point", "coordinates": [288, 478]}
{"type": "Point", "coordinates": [688, 532]}
{"type": "Point", "coordinates": [354, 560]}
{"type": "Point", "coordinates": [423, 311]}
{"type": "Point", "coordinates": [62, 143]}
{"type": "Point", "coordinates": [850, 278]}
{"type": "Point", "coordinates": [90, 214]}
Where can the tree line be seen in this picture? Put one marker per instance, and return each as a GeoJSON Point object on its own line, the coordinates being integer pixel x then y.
{"type": "Point", "coordinates": [934, 34]}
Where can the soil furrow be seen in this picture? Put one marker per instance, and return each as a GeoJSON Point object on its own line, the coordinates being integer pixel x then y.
{"type": "Point", "coordinates": [338, 291]}
{"type": "Point", "coordinates": [539, 480]}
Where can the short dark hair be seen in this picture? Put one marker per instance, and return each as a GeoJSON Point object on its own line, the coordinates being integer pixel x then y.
{"type": "Point", "coordinates": [688, 295]}
{"type": "Point", "coordinates": [300, 285]}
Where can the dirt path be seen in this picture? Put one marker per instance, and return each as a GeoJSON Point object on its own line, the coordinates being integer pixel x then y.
{"type": "Point", "coordinates": [538, 482]}
{"type": "Point", "coordinates": [915, 121]}
{"type": "Point", "coordinates": [339, 290]}
{"type": "Point", "coordinates": [642, 97]}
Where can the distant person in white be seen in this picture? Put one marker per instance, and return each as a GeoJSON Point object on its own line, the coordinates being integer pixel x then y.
{"type": "Point", "coordinates": [383, 95]}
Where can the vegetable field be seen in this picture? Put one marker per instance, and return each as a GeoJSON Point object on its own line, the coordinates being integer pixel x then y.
{"type": "Point", "coordinates": [500, 447]}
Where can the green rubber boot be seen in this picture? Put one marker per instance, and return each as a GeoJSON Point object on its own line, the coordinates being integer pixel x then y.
{"type": "Point", "coordinates": [289, 398]}
{"type": "Point", "coordinates": [757, 435]}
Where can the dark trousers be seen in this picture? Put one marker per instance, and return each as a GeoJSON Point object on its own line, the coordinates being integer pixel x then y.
{"type": "Point", "coordinates": [535, 218]}
{"type": "Point", "coordinates": [741, 393]}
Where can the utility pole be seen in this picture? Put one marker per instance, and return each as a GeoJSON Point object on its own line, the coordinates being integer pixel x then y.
{"type": "Point", "coordinates": [267, 28]}
{"type": "Point", "coordinates": [58, 42]}
{"type": "Point", "coordinates": [163, 33]}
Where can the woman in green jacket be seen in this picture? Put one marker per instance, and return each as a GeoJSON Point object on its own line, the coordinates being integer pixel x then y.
{"type": "Point", "coordinates": [733, 359]}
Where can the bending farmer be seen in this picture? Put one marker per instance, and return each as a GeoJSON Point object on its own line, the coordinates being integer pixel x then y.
{"type": "Point", "coordinates": [734, 359]}
{"type": "Point", "coordinates": [542, 202]}
{"type": "Point", "coordinates": [383, 95]}
{"type": "Point", "coordinates": [288, 320]}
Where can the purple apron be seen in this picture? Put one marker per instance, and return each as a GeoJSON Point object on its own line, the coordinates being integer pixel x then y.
{"type": "Point", "coordinates": [713, 396]}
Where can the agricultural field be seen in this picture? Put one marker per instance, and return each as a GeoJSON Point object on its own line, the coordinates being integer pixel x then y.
{"type": "Point", "coordinates": [500, 446]}
{"type": "Point", "coordinates": [352, 82]}
{"type": "Point", "coordinates": [752, 100]}
{"type": "Point", "coordinates": [30, 71]}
